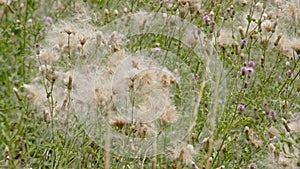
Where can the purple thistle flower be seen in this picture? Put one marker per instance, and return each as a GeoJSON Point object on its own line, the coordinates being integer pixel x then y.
{"type": "Point", "coordinates": [272, 113]}
{"type": "Point", "coordinates": [206, 18]}
{"type": "Point", "coordinates": [244, 41]}
{"type": "Point", "coordinates": [250, 70]}
{"type": "Point", "coordinates": [251, 63]}
{"type": "Point", "coordinates": [195, 76]}
{"type": "Point", "coordinates": [298, 88]}
{"type": "Point", "coordinates": [240, 107]}
{"type": "Point", "coordinates": [289, 72]}
{"type": "Point", "coordinates": [157, 50]}
{"type": "Point", "coordinates": [244, 69]}
{"type": "Point", "coordinates": [49, 19]}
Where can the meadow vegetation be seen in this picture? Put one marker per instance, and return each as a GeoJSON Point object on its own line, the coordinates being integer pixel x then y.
{"type": "Point", "coordinates": [205, 84]}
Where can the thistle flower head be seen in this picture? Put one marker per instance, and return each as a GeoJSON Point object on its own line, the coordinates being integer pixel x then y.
{"type": "Point", "coordinates": [240, 107]}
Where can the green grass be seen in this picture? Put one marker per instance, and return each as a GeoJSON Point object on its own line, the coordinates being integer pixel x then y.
{"type": "Point", "coordinates": [83, 132]}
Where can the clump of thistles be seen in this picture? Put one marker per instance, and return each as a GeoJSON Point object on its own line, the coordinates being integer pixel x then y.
{"type": "Point", "coordinates": [83, 69]}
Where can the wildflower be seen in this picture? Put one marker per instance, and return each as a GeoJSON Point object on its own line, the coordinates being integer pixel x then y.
{"type": "Point", "coordinates": [49, 19]}
{"type": "Point", "coordinates": [240, 107]}
{"type": "Point", "coordinates": [272, 113]}
{"type": "Point", "coordinates": [195, 76]}
{"type": "Point", "coordinates": [206, 18]}
{"type": "Point", "coordinates": [157, 50]}
{"type": "Point", "coordinates": [251, 63]}
{"type": "Point", "coordinates": [250, 70]}
{"type": "Point", "coordinates": [279, 79]}
{"type": "Point", "coordinates": [244, 41]}
{"type": "Point", "coordinates": [289, 73]}
{"type": "Point", "coordinates": [243, 70]}
{"type": "Point", "coordinates": [298, 88]}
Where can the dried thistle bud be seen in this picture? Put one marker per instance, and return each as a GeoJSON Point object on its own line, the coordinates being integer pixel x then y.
{"type": "Point", "coordinates": [116, 13]}
{"type": "Point", "coordinates": [244, 2]}
{"type": "Point", "coordinates": [134, 64]}
{"type": "Point", "coordinates": [195, 165]}
{"type": "Point", "coordinates": [274, 26]}
{"type": "Point", "coordinates": [106, 12]}
{"type": "Point", "coordinates": [277, 40]}
{"type": "Point", "coordinates": [228, 10]}
{"type": "Point", "coordinates": [125, 10]}
{"type": "Point", "coordinates": [285, 123]}
{"type": "Point", "coordinates": [259, 6]}
{"type": "Point", "coordinates": [240, 28]}
{"type": "Point", "coordinates": [209, 162]}
{"type": "Point", "coordinates": [116, 47]}
{"type": "Point", "coordinates": [22, 5]}
{"type": "Point", "coordinates": [272, 147]}
{"type": "Point", "coordinates": [246, 129]}
{"type": "Point", "coordinates": [247, 132]}
{"type": "Point", "coordinates": [242, 56]}
{"type": "Point", "coordinates": [51, 76]}
{"type": "Point", "coordinates": [172, 80]}
{"type": "Point", "coordinates": [256, 143]}
{"type": "Point", "coordinates": [287, 65]}
{"type": "Point", "coordinates": [16, 91]}
{"type": "Point", "coordinates": [69, 31]}
{"type": "Point", "coordinates": [262, 60]}
{"type": "Point", "coordinates": [6, 153]}
{"type": "Point", "coordinates": [265, 43]}
{"type": "Point", "coordinates": [69, 85]}
{"type": "Point", "coordinates": [82, 41]}
{"type": "Point", "coordinates": [235, 45]}
{"type": "Point", "coordinates": [212, 14]}
{"type": "Point", "coordinates": [46, 116]}
{"type": "Point", "coordinates": [221, 167]}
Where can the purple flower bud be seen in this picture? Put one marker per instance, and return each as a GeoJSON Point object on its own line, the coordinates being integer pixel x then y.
{"type": "Point", "coordinates": [251, 63]}
{"type": "Point", "coordinates": [298, 88]}
{"type": "Point", "coordinates": [49, 19]}
{"type": "Point", "coordinates": [240, 107]}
